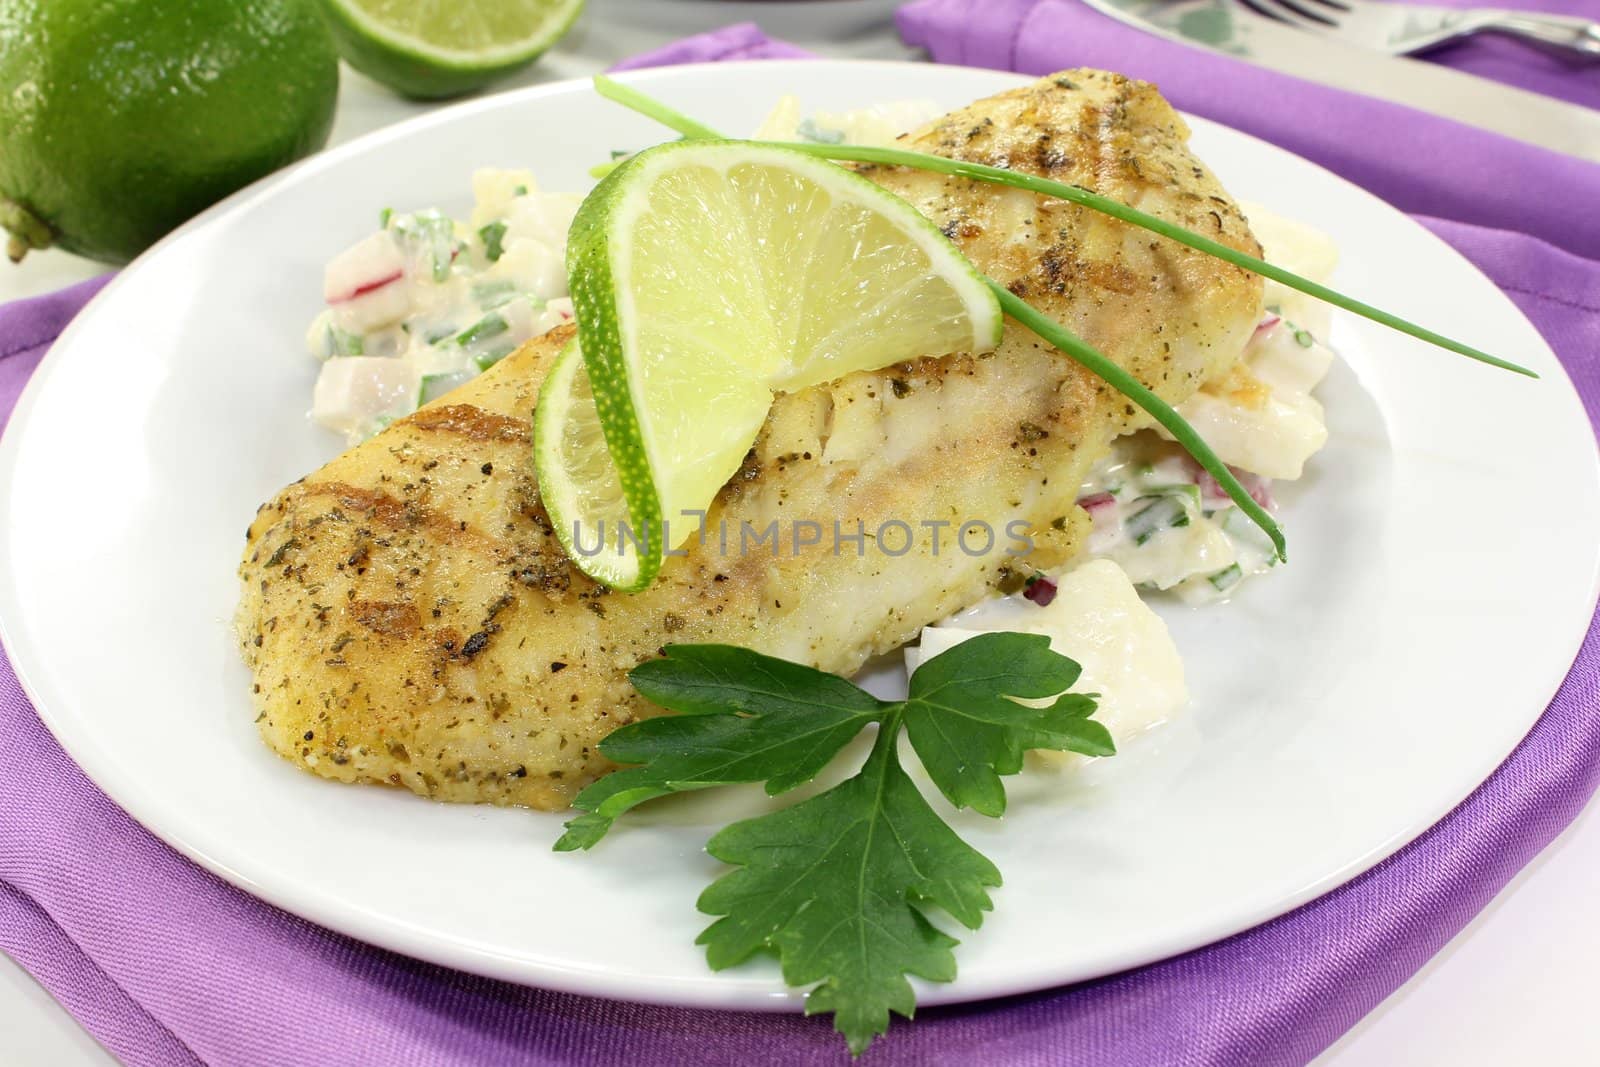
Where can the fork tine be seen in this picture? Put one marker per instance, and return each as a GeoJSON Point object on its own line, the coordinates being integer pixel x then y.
{"type": "Point", "coordinates": [1290, 12]}
{"type": "Point", "coordinates": [1265, 9]}
{"type": "Point", "coordinates": [1307, 9]}
{"type": "Point", "coordinates": [1345, 6]}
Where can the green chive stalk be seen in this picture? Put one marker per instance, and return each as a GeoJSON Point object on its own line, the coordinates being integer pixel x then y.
{"type": "Point", "coordinates": [1117, 210]}
{"type": "Point", "coordinates": [1129, 386]}
{"type": "Point", "coordinates": [1076, 194]}
{"type": "Point", "coordinates": [651, 108]}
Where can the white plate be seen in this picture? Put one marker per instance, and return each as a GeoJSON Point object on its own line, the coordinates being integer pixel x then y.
{"type": "Point", "coordinates": [1443, 567]}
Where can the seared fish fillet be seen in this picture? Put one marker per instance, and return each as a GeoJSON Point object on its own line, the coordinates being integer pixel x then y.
{"type": "Point", "coordinates": [410, 617]}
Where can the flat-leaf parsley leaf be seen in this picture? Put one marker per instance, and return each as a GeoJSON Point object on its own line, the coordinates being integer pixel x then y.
{"type": "Point", "coordinates": [838, 886]}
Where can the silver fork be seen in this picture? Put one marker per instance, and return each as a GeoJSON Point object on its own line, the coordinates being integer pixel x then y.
{"type": "Point", "coordinates": [1403, 28]}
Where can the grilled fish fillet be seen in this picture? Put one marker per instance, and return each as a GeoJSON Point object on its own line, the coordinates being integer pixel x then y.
{"type": "Point", "coordinates": [410, 618]}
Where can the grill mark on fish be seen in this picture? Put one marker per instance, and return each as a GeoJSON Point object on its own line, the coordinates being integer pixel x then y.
{"type": "Point", "coordinates": [395, 514]}
{"type": "Point", "coordinates": [470, 422]}
{"type": "Point", "coordinates": [387, 618]}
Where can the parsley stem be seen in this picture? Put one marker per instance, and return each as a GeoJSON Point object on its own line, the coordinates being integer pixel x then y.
{"type": "Point", "coordinates": [1130, 387]}
{"type": "Point", "coordinates": [1076, 194]}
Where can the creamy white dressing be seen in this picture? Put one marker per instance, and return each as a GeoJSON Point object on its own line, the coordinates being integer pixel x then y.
{"type": "Point", "coordinates": [428, 302]}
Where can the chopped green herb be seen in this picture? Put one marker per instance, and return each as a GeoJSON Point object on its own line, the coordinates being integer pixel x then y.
{"type": "Point", "coordinates": [344, 343]}
{"type": "Point", "coordinates": [491, 325]}
{"type": "Point", "coordinates": [1162, 513]}
{"type": "Point", "coordinates": [384, 216]}
{"type": "Point", "coordinates": [1303, 338]}
{"type": "Point", "coordinates": [431, 234]}
{"type": "Point", "coordinates": [819, 134]}
{"type": "Point", "coordinates": [1187, 490]}
{"type": "Point", "coordinates": [620, 153]}
{"type": "Point", "coordinates": [436, 385]}
{"type": "Point", "coordinates": [491, 295]}
{"type": "Point", "coordinates": [492, 235]}
{"type": "Point", "coordinates": [839, 886]}
{"type": "Point", "coordinates": [519, 190]}
{"type": "Point", "coordinates": [1226, 579]}
{"type": "Point", "coordinates": [485, 360]}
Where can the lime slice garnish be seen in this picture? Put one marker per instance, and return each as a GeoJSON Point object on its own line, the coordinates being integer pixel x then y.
{"type": "Point", "coordinates": [430, 49]}
{"type": "Point", "coordinates": [578, 481]}
{"type": "Point", "coordinates": [704, 276]}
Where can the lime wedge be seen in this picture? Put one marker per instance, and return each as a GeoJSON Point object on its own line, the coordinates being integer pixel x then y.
{"type": "Point", "coordinates": [429, 49]}
{"type": "Point", "coordinates": [579, 484]}
{"type": "Point", "coordinates": [707, 274]}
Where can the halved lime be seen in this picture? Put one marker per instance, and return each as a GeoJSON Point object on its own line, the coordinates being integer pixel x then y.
{"type": "Point", "coordinates": [707, 274]}
{"type": "Point", "coordinates": [434, 48]}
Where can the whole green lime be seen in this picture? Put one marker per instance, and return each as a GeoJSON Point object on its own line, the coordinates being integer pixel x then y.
{"type": "Point", "coordinates": [119, 119]}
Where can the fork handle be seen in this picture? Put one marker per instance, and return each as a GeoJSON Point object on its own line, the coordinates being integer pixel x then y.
{"type": "Point", "coordinates": [1562, 31]}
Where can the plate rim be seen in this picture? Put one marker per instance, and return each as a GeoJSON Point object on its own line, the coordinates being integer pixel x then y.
{"type": "Point", "coordinates": [456, 953]}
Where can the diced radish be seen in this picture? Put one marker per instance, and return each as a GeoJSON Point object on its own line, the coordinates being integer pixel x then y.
{"type": "Point", "coordinates": [374, 310]}
{"type": "Point", "coordinates": [1097, 504]}
{"type": "Point", "coordinates": [1259, 488]}
{"type": "Point", "coordinates": [1267, 323]}
{"type": "Point", "coordinates": [354, 391]}
{"type": "Point", "coordinates": [1041, 591]}
{"type": "Point", "coordinates": [365, 266]}
{"type": "Point", "coordinates": [556, 312]}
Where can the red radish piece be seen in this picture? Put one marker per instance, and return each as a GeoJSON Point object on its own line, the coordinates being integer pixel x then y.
{"type": "Point", "coordinates": [1259, 488]}
{"type": "Point", "coordinates": [1267, 323]}
{"type": "Point", "coordinates": [364, 289]}
{"type": "Point", "coordinates": [1096, 503]}
{"type": "Point", "coordinates": [364, 267]}
{"type": "Point", "coordinates": [1041, 591]}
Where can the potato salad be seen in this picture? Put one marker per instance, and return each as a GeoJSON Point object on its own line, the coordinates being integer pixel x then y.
{"type": "Point", "coordinates": [1166, 521]}
{"type": "Point", "coordinates": [427, 302]}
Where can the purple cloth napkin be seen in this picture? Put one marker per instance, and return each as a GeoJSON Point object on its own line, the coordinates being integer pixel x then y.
{"type": "Point", "coordinates": [168, 965]}
{"type": "Point", "coordinates": [1414, 160]}
{"type": "Point", "coordinates": [742, 40]}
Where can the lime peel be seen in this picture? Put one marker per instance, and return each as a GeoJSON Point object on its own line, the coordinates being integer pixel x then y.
{"type": "Point", "coordinates": [428, 51]}
{"type": "Point", "coordinates": [578, 482]}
